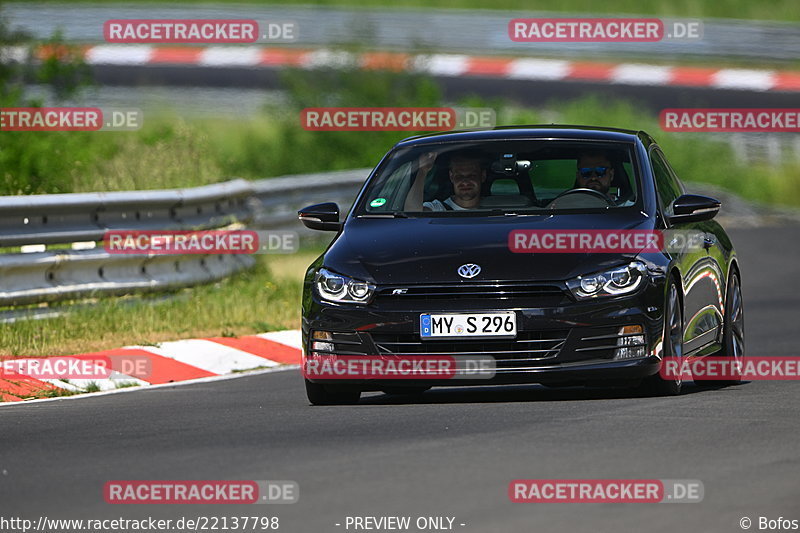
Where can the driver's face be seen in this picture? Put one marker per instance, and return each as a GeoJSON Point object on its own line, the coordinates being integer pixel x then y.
{"type": "Point", "coordinates": [593, 180]}
{"type": "Point", "coordinates": [466, 177]}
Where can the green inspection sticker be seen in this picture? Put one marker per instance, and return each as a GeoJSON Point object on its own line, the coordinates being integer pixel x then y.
{"type": "Point", "coordinates": [377, 202]}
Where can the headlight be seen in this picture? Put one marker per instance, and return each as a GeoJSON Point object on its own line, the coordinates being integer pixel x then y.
{"type": "Point", "coordinates": [621, 280]}
{"type": "Point", "coordinates": [339, 288]}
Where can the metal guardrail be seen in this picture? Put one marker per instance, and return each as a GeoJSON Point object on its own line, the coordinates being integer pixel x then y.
{"type": "Point", "coordinates": [454, 30]}
{"type": "Point", "coordinates": [59, 227]}
{"type": "Point", "coordinates": [68, 218]}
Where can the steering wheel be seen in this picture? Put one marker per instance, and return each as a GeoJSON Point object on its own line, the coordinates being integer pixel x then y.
{"type": "Point", "coordinates": [582, 190]}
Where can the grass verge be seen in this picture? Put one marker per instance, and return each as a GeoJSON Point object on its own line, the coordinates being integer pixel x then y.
{"type": "Point", "coordinates": [205, 151]}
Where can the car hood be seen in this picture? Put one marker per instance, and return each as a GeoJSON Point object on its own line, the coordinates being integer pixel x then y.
{"type": "Point", "coordinates": [430, 249]}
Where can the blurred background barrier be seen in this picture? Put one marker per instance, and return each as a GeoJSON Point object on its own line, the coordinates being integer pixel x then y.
{"type": "Point", "coordinates": [455, 31]}
{"type": "Point", "coordinates": [53, 250]}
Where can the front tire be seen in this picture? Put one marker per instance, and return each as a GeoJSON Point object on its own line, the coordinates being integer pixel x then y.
{"type": "Point", "coordinates": [672, 344]}
{"type": "Point", "coordinates": [319, 394]}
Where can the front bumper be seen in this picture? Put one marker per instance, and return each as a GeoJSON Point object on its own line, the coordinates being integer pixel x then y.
{"type": "Point", "coordinates": [559, 341]}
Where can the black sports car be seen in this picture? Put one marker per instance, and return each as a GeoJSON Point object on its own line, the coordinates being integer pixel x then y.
{"type": "Point", "coordinates": [470, 243]}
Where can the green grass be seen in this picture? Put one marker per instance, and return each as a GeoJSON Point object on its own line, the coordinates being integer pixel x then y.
{"type": "Point", "coordinates": [262, 299]}
{"type": "Point", "coordinates": [174, 152]}
{"type": "Point", "coordinates": [126, 384]}
{"type": "Point", "coordinates": [743, 9]}
{"type": "Point", "coordinates": [55, 393]}
{"type": "Point", "coordinates": [171, 151]}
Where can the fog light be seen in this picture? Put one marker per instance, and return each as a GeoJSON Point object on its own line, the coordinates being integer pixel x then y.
{"type": "Point", "coordinates": [628, 350]}
{"type": "Point", "coordinates": [323, 346]}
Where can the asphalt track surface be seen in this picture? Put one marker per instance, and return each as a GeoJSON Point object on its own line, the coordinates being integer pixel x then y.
{"type": "Point", "coordinates": [452, 452]}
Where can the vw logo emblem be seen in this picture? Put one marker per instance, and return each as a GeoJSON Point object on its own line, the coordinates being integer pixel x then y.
{"type": "Point", "coordinates": [470, 270]}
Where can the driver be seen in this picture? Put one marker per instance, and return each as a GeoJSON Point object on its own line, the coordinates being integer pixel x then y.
{"type": "Point", "coordinates": [595, 172]}
{"type": "Point", "coordinates": [467, 175]}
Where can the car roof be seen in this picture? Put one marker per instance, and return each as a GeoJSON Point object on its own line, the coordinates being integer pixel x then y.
{"type": "Point", "coordinates": [541, 131]}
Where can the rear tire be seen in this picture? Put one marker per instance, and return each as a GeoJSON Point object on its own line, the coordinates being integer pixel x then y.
{"type": "Point", "coordinates": [732, 331]}
{"type": "Point", "coordinates": [672, 344]}
{"type": "Point", "coordinates": [319, 394]}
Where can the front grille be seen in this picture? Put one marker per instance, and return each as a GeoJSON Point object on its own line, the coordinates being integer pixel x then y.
{"type": "Point", "coordinates": [529, 349]}
{"type": "Point", "coordinates": [528, 346]}
{"type": "Point", "coordinates": [543, 294]}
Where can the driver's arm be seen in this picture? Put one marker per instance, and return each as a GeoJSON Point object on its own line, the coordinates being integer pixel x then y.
{"type": "Point", "coordinates": [415, 194]}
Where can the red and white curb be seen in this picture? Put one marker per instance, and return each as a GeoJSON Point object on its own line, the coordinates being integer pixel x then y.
{"type": "Point", "coordinates": [447, 65]}
{"type": "Point", "coordinates": [171, 362]}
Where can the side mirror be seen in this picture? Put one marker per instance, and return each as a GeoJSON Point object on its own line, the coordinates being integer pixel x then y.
{"type": "Point", "coordinates": [693, 208]}
{"type": "Point", "coordinates": [323, 217]}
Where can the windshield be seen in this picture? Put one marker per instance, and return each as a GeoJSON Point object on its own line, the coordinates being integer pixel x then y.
{"type": "Point", "coordinates": [519, 176]}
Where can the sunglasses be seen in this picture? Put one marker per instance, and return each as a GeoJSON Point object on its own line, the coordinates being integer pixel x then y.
{"type": "Point", "coordinates": [587, 172]}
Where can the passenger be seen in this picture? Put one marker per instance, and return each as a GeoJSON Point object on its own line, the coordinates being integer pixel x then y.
{"type": "Point", "coordinates": [467, 175]}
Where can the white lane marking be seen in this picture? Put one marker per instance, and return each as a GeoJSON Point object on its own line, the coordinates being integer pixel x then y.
{"type": "Point", "coordinates": [70, 383]}
{"type": "Point", "coordinates": [538, 69]}
{"type": "Point", "coordinates": [79, 385]}
{"type": "Point", "coordinates": [281, 368]}
{"type": "Point", "coordinates": [636, 74]}
{"type": "Point", "coordinates": [119, 54]}
{"type": "Point", "coordinates": [18, 54]}
{"type": "Point", "coordinates": [732, 78]}
{"type": "Point", "coordinates": [230, 56]}
{"type": "Point", "coordinates": [289, 337]}
{"type": "Point", "coordinates": [209, 356]}
{"type": "Point", "coordinates": [442, 64]}
{"type": "Point", "coordinates": [328, 59]}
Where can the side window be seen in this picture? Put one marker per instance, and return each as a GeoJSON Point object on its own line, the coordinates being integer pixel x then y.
{"type": "Point", "coordinates": [393, 191]}
{"type": "Point", "coordinates": [667, 184]}
{"type": "Point", "coordinates": [674, 175]}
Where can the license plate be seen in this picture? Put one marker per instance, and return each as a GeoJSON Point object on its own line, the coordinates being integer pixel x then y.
{"type": "Point", "coordinates": [501, 324]}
